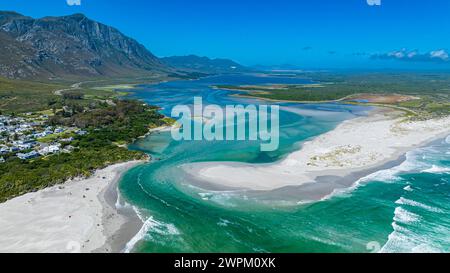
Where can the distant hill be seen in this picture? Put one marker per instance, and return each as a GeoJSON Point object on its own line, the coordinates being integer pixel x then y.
{"type": "Point", "coordinates": [70, 47]}
{"type": "Point", "coordinates": [204, 64]}
{"type": "Point", "coordinates": [286, 67]}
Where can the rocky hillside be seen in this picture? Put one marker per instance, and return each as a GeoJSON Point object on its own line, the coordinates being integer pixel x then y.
{"type": "Point", "coordinates": [70, 47]}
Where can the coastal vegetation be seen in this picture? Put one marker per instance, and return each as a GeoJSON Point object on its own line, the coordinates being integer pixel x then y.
{"type": "Point", "coordinates": [115, 120]}
{"type": "Point", "coordinates": [20, 176]}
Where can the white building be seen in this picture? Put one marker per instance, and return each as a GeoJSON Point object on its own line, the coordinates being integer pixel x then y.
{"type": "Point", "coordinates": [49, 150]}
{"type": "Point", "coordinates": [29, 155]}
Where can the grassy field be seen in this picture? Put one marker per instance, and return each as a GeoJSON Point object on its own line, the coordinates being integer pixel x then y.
{"type": "Point", "coordinates": [23, 96]}
{"type": "Point", "coordinates": [18, 96]}
{"type": "Point", "coordinates": [304, 93]}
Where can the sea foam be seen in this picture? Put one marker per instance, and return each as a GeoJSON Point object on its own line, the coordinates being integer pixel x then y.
{"type": "Point", "coordinates": [412, 203]}
{"type": "Point", "coordinates": [437, 169]}
{"type": "Point", "coordinates": [401, 215]}
{"type": "Point", "coordinates": [408, 188]}
{"type": "Point", "coordinates": [151, 226]}
{"type": "Point", "coordinates": [403, 240]}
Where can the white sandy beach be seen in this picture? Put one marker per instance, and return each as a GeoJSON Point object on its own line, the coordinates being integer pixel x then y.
{"type": "Point", "coordinates": [77, 216]}
{"type": "Point", "coordinates": [354, 145]}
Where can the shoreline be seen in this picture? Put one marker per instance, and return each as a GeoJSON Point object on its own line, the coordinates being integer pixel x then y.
{"type": "Point", "coordinates": [329, 162]}
{"type": "Point", "coordinates": [79, 215]}
{"type": "Point", "coordinates": [120, 221]}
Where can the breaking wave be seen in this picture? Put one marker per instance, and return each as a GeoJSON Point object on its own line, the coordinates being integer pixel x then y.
{"type": "Point", "coordinates": [437, 169]}
{"type": "Point", "coordinates": [404, 240]}
{"type": "Point", "coordinates": [401, 215]}
{"type": "Point", "coordinates": [150, 226]}
{"type": "Point", "coordinates": [412, 203]}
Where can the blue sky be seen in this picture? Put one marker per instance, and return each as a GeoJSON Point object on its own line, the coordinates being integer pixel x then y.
{"type": "Point", "coordinates": [311, 34]}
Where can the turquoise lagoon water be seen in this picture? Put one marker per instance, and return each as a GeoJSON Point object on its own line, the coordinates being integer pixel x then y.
{"type": "Point", "coordinates": [402, 209]}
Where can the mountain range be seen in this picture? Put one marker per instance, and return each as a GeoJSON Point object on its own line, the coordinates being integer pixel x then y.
{"type": "Point", "coordinates": [69, 46]}
{"type": "Point", "coordinates": [74, 47]}
{"type": "Point", "coordinates": [195, 63]}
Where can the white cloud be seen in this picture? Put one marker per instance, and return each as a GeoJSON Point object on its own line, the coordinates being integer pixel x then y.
{"type": "Point", "coordinates": [397, 54]}
{"type": "Point", "coordinates": [413, 55]}
{"type": "Point", "coordinates": [374, 2]}
{"type": "Point", "coordinates": [73, 2]}
{"type": "Point", "coordinates": [440, 54]}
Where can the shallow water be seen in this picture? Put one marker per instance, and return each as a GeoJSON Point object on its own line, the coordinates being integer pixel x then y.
{"type": "Point", "coordinates": [402, 209]}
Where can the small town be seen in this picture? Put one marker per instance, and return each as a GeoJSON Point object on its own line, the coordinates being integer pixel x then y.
{"type": "Point", "coordinates": [29, 136]}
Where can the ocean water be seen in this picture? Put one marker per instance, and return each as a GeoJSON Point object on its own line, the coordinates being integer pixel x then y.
{"type": "Point", "coordinates": [402, 209]}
